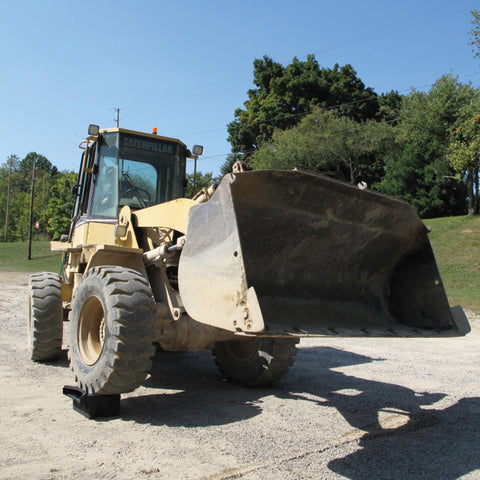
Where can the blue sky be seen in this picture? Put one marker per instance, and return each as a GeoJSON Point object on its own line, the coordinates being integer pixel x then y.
{"type": "Point", "coordinates": [185, 66]}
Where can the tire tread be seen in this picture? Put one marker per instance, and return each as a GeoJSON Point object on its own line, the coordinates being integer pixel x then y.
{"type": "Point", "coordinates": [269, 363]}
{"type": "Point", "coordinates": [45, 316]}
{"type": "Point", "coordinates": [125, 362]}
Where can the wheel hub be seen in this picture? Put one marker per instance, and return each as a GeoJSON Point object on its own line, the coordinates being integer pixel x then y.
{"type": "Point", "coordinates": [91, 330]}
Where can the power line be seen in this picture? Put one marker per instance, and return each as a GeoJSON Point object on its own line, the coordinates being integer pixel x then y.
{"type": "Point", "coordinates": [400, 25]}
{"type": "Point", "coordinates": [191, 90]}
{"type": "Point", "coordinates": [373, 97]}
{"type": "Point", "coordinates": [210, 90]}
{"type": "Point", "coordinates": [340, 105]}
{"type": "Point", "coordinates": [424, 16]}
{"type": "Point", "coordinates": [63, 151]}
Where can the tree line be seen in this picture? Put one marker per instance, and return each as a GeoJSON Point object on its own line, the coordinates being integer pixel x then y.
{"type": "Point", "coordinates": [53, 199]}
{"type": "Point", "coordinates": [423, 146]}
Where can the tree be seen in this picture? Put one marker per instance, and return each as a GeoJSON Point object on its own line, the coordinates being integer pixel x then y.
{"type": "Point", "coordinates": [20, 189]}
{"type": "Point", "coordinates": [202, 180]}
{"type": "Point", "coordinates": [43, 166]}
{"type": "Point", "coordinates": [464, 146]}
{"type": "Point", "coordinates": [60, 205]}
{"type": "Point", "coordinates": [475, 33]}
{"type": "Point", "coordinates": [326, 142]}
{"type": "Point", "coordinates": [430, 188]}
{"type": "Point", "coordinates": [45, 173]}
{"type": "Point", "coordinates": [389, 105]}
{"type": "Point", "coordinates": [419, 170]}
{"type": "Point", "coordinates": [6, 189]}
{"type": "Point", "coordinates": [227, 166]}
{"type": "Point", "coordinates": [284, 95]}
{"type": "Point", "coordinates": [464, 150]}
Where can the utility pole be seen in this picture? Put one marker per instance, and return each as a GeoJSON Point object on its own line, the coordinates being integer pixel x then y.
{"type": "Point", "coordinates": [32, 193]}
{"type": "Point", "coordinates": [8, 198]}
{"type": "Point", "coordinates": [118, 116]}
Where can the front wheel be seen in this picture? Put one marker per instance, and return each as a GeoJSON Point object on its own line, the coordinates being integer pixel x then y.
{"type": "Point", "coordinates": [255, 361]}
{"type": "Point", "coordinates": [112, 330]}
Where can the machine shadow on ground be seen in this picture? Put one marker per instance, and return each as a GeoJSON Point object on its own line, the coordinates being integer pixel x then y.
{"type": "Point", "coordinates": [431, 441]}
{"type": "Point", "coordinates": [440, 444]}
{"type": "Point", "coordinates": [193, 384]}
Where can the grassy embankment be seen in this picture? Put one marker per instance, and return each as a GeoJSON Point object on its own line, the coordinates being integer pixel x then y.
{"type": "Point", "coordinates": [455, 241]}
{"type": "Point", "coordinates": [456, 244]}
{"type": "Point", "coordinates": [14, 257]}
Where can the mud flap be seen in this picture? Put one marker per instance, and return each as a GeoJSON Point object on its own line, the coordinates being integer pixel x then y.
{"type": "Point", "coordinates": [293, 253]}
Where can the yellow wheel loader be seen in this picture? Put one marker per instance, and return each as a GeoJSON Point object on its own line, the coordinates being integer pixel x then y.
{"type": "Point", "coordinates": [246, 269]}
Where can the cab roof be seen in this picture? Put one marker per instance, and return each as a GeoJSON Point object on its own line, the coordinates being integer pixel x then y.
{"type": "Point", "coordinates": [142, 134]}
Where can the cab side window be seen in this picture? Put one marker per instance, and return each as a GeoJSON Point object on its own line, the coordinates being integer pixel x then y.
{"type": "Point", "coordinates": [105, 191]}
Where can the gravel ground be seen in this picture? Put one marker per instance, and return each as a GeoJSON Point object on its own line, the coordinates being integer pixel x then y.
{"type": "Point", "coordinates": [349, 408]}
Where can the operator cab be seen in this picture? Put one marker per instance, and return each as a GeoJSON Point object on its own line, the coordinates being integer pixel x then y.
{"type": "Point", "coordinates": [123, 167]}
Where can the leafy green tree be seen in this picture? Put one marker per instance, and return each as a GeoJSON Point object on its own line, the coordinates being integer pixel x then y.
{"type": "Point", "coordinates": [419, 170]}
{"type": "Point", "coordinates": [431, 188]}
{"type": "Point", "coordinates": [19, 200]}
{"type": "Point", "coordinates": [45, 173]}
{"type": "Point", "coordinates": [389, 105]}
{"type": "Point", "coordinates": [284, 95]}
{"type": "Point", "coordinates": [464, 150]}
{"type": "Point", "coordinates": [43, 195]}
{"type": "Point", "coordinates": [5, 172]}
{"type": "Point", "coordinates": [229, 161]}
{"type": "Point", "coordinates": [18, 223]}
{"type": "Point", "coordinates": [20, 190]}
{"type": "Point", "coordinates": [202, 180]}
{"type": "Point", "coordinates": [475, 33]}
{"type": "Point", "coordinates": [60, 205]}
{"type": "Point", "coordinates": [326, 142]}
{"type": "Point", "coordinates": [43, 166]}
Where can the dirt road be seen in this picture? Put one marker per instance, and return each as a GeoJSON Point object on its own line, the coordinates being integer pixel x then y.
{"type": "Point", "coordinates": [349, 408]}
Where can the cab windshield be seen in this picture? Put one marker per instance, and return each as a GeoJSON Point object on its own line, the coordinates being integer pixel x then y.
{"type": "Point", "coordinates": [135, 171]}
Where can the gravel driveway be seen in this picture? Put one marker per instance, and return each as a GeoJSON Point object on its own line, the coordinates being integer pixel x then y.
{"type": "Point", "coordinates": [358, 409]}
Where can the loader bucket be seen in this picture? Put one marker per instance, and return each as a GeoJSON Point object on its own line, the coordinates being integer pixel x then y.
{"type": "Point", "coordinates": [293, 253]}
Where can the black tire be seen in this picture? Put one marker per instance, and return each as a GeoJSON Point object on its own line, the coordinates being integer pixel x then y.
{"type": "Point", "coordinates": [255, 362]}
{"type": "Point", "coordinates": [45, 317]}
{"type": "Point", "coordinates": [112, 330]}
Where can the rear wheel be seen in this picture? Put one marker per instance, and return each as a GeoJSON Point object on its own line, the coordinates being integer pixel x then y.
{"type": "Point", "coordinates": [45, 316]}
{"type": "Point", "coordinates": [255, 361]}
{"type": "Point", "coordinates": [112, 330]}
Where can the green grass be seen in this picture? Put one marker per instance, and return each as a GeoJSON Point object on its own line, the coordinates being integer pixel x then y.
{"type": "Point", "coordinates": [455, 242]}
{"type": "Point", "coordinates": [14, 257]}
